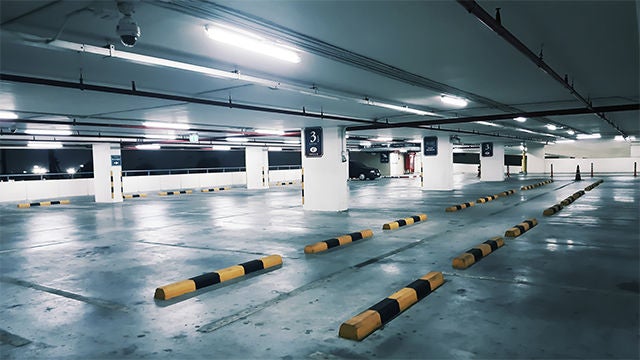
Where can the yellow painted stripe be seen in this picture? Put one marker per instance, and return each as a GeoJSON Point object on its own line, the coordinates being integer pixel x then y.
{"type": "Point", "coordinates": [435, 278]}
{"type": "Point", "coordinates": [485, 248]}
{"type": "Point", "coordinates": [422, 217]}
{"type": "Point", "coordinates": [391, 226]}
{"type": "Point", "coordinates": [405, 298]}
{"type": "Point", "coordinates": [513, 232]}
{"type": "Point", "coordinates": [344, 239]}
{"type": "Point", "coordinates": [361, 325]}
{"type": "Point", "coordinates": [366, 233]}
{"type": "Point", "coordinates": [176, 289]}
{"type": "Point", "coordinates": [23, 206]}
{"type": "Point", "coordinates": [231, 272]}
{"type": "Point", "coordinates": [271, 261]}
{"type": "Point", "coordinates": [409, 221]}
{"type": "Point", "coordinates": [315, 248]}
{"type": "Point", "coordinates": [463, 261]}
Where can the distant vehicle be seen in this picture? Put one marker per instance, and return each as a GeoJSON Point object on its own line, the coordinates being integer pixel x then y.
{"type": "Point", "coordinates": [361, 171]}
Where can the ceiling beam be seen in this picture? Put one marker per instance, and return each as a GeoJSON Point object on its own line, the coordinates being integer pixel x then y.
{"type": "Point", "coordinates": [496, 26]}
{"type": "Point", "coordinates": [494, 117]}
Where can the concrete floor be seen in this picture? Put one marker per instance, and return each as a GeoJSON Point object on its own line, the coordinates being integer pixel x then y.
{"type": "Point", "coordinates": [78, 280]}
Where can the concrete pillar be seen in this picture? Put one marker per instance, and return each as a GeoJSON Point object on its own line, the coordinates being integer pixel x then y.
{"type": "Point", "coordinates": [396, 163]}
{"type": "Point", "coordinates": [257, 167]}
{"type": "Point", "coordinates": [107, 173]}
{"type": "Point", "coordinates": [535, 158]}
{"type": "Point", "coordinates": [438, 168]}
{"type": "Point", "coordinates": [325, 175]}
{"type": "Point", "coordinates": [492, 167]}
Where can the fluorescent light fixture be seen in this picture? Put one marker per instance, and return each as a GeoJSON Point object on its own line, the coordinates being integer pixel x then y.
{"type": "Point", "coordinates": [163, 125]}
{"type": "Point", "coordinates": [588, 136]}
{"type": "Point", "coordinates": [383, 139]}
{"type": "Point", "coordinates": [251, 42]}
{"type": "Point", "coordinates": [365, 143]}
{"type": "Point", "coordinates": [456, 101]}
{"type": "Point", "coordinates": [565, 141]}
{"type": "Point", "coordinates": [520, 119]}
{"type": "Point", "coordinates": [398, 108]}
{"type": "Point", "coordinates": [487, 123]}
{"type": "Point", "coordinates": [148, 147]}
{"type": "Point", "coordinates": [269, 132]}
{"type": "Point", "coordinates": [48, 132]}
{"type": "Point", "coordinates": [221, 147]}
{"type": "Point", "coordinates": [44, 144]}
{"type": "Point", "coordinates": [274, 148]}
{"type": "Point", "coordinates": [236, 139]}
{"type": "Point", "coordinates": [165, 137]}
{"type": "Point", "coordinates": [621, 138]}
{"type": "Point", "coordinates": [571, 132]}
{"type": "Point", "coordinates": [71, 171]}
{"type": "Point", "coordinates": [294, 142]}
{"type": "Point", "coordinates": [38, 170]}
{"type": "Point", "coordinates": [551, 127]}
{"type": "Point", "coordinates": [8, 115]}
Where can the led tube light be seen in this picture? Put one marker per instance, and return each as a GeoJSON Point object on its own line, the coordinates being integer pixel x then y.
{"type": "Point", "coordinates": [251, 42]}
{"type": "Point", "coordinates": [48, 132]}
{"type": "Point", "coordinates": [44, 144]}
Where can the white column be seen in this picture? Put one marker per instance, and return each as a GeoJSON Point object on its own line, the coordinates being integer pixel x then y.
{"type": "Point", "coordinates": [492, 167]}
{"type": "Point", "coordinates": [107, 172]}
{"type": "Point", "coordinates": [535, 158]}
{"type": "Point", "coordinates": [396, 163]}
{"type": "Point", "coordinates": [325, 185]}
{"type": "Point", "coordinates": [438, 169]}
{"type": "Point", "coordinates": [257, 167]}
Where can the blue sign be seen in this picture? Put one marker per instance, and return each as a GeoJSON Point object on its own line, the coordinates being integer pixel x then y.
{"type": "Point", "coordinates": [430, 145]}
{"type": "Point", "coordinates": [313, 142]}
{"type": "Point", "coordinates": [116, 160]}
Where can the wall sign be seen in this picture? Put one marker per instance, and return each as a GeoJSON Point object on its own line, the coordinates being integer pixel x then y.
{"type": "Point", "coordinates": [116, 160]}
{"type": "Point", "coordinates": [384, 157]}
{"type": "Point", "coordinates": [313, 142]}
{"type": "Point", "coordinates": [487, 149]}
{"type": "Point", "coordinates": [430, 145]}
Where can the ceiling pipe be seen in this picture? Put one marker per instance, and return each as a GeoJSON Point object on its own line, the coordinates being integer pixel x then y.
{"type": "Point", "coordinates": [530, 114]}
{"type": "Point", "coordinates": [497, 27]}
{"type": "Point", "coordinates": [188, 99]}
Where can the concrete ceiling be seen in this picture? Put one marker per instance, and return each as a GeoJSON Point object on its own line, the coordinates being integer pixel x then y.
{"type": "Point", "coordinates": [405, 53]}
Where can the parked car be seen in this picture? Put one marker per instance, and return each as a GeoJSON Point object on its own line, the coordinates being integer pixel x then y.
{"type": "Point", "coordinates": [362, 171]}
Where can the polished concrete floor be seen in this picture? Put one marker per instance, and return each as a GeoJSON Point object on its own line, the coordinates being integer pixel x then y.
{"type": "Point", "coordinates": [78, 280]}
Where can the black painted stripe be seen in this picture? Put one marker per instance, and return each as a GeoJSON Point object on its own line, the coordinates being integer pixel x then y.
{"type": "Point", "coordinates": [493, 244]}
{"type": "Point", "coordinates": [387, 308]}
{"type": "Point", "coordinates": [531, 224]}
{"type": "Point", "coordinates": [356, 236]}
{"type": "Point", "coordinates": [251, 266]}
{"type": "Point", "coordinates": [468, 204]}
{"type": "Point", "coordinates": [416, 218]}
{"type": "Point", "coordinates": [331, 243]}
{"type": "Point", "coordinates": [35, 204]}
{"type": "Point", "coordinates": [401, 222]}
{"type": "Point", "coordinates": [459, 207]}
{"type": "Point", "coordinates": [522, 229]}
{"type": "Point", "coordinates": [56, 202]}
{"type": "Point", "coordinates": [206, 279]}
{"type": "Point", "coordinates": [422, 288]}
{"type": "Point", "coordinates": [477, 253]}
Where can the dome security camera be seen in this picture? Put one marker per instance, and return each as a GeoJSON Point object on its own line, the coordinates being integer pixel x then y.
{"type": "Point", "coordinates": [128, 31]}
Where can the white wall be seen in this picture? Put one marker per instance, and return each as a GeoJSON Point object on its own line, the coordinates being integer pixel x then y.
{"type": "Point", "coordinates": [141, 184]}
{"type": "Point", "coordinates": [34, 190]}
{"type": "Point", "coordinates": [600, 165]}
{"type": "Point", "coordinates": [285, 175]}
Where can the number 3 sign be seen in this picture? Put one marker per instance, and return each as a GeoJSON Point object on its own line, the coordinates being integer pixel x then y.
{"type": "Point", "coordinates": [313, 142]}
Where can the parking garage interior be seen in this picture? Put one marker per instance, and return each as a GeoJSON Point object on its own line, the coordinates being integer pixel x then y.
{"type": "Point", "coordinates": [175, 179]}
